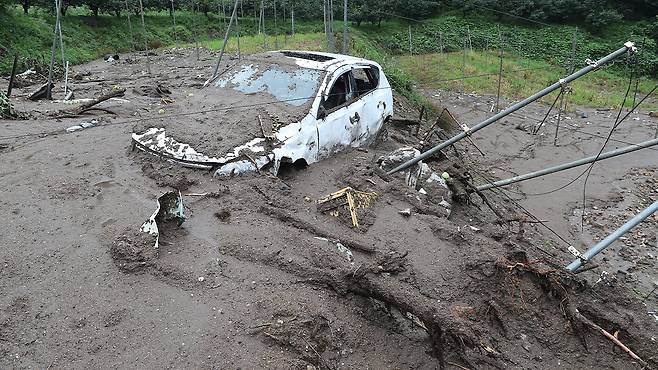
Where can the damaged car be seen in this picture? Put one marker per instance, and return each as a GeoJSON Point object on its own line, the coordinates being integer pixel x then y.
{"type": "Point", "coordinates": [277, 107]}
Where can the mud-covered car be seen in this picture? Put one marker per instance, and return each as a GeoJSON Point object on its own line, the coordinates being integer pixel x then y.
{"type": "Point", "coordinates": [277, 107]}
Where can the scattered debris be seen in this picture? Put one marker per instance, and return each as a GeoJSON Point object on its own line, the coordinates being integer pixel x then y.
{"type": "Point", "coordinates": [111, 58]}
{"type": "Point", "coordinates": [170, 209]}
{"type": "Point", "coordinates": [82, 126]}
{"type": "Point", "coordinates": [433, 190]}
{"type": "Point", "coordinates": [348, 199]}
{"type": "Point", "coordinates": [86, 107]}
{"type": "Point", "coordinates": [42, 92]}
{"type": "Point", "coordinates": [133, 250]}
{"type": "Point", "coordinates": [223, 215]}
{"type": "Point", "coordinates": [6, 109]}
{"type": "Point", "coordinates": [340, 248]}
{"type": "Point", "coordinates": [157, 91]}
{"type": "Point", "coordinates": [405, 212]}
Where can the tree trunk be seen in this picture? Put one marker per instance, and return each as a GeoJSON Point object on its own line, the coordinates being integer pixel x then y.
{"type": "Point", "coordinates": [26, 6]}
{"type": "Point", "coordinates": [117, 13]}
{"type": "Point", "coordinates": [94, 10]}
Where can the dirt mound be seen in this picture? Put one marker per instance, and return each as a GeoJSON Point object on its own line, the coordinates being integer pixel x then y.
{"type": "Point", "coordinates": [133, 251]}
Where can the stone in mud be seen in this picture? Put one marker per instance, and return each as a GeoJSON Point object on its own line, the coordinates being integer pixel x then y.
{"type": "Point", "coordinates": [134, 250]}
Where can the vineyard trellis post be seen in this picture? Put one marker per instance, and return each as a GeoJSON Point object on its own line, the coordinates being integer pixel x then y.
{"type": "Point", "coordinates": [345, 27]}
{"type": "Point", "coordinates": [570, 68]}
{"type": "Point", "coordinates": [195, 27]}
{"type": "Point", "coordinates": [146, 43]}
{"type": "Point", "coordinates": [130, 27]}
{"type": "Point", "coordinates": [173, 16]}
{"type": "Point", "coordinates": [464, 65]}
{"type": "Point", "coordinates": [410, 43]}
{"type": "Point", "coordinates": [500, 68]}
{"type": "Point", "coordinates": [237, 32]}
{"type": "Point", "coordinates": [49, 95]}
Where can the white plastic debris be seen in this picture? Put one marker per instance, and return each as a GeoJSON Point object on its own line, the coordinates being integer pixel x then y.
{"type": "Point", "coordinates": [82, 126]}
{"type": "Point", "coordinates": [405, 212]}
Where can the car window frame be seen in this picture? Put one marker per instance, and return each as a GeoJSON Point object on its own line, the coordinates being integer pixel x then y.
{"type": "Point", "coordinates": [367, 70]}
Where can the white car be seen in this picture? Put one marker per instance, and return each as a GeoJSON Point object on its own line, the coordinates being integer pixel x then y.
{"type": "Point", "coordinates": [283, 106]}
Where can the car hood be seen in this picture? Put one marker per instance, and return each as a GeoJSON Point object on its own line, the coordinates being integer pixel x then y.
{"type": "Point", "coordinates": [238, 116]}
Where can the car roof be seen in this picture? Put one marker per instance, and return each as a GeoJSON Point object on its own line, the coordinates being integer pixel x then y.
{"type": "Point", "coordinates": [313, 59]}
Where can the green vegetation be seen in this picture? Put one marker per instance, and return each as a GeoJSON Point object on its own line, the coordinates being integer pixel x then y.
{"type": "Point", "coordinates": [260, 43]}
{"type": "Point", "coordinates": [548, 43]}
{"type": "Point", "coordinates": [521, 77]}
{"type": "Point", "coordinates": [535, 55]}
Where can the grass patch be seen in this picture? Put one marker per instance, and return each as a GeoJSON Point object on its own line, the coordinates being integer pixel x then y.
{"type": "Point", "coordinates": [521, 77]}
{"type": "Point", "coordinates": [260, 43]}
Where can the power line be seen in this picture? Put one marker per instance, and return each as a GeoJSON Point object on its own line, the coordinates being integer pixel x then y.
{"type": "Point", "coordinates": [511, 15]}
{"type": "Point", "coordinates": [483, 75]}
{"type": "Point", "coordinates": [183, 114]}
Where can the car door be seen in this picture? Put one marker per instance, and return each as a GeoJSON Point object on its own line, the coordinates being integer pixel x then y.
{"type": "Point", "coordinates": [372, 108]}
{"type": "Point", "coordinates": [340, 115]}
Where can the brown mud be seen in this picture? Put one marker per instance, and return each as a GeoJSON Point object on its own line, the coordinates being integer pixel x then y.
{"type": "Point", "coordinates": [245, 281]}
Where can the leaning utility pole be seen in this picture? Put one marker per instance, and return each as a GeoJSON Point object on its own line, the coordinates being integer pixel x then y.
{"type": "Point", "coordinates": [603, 244]}
{"type": "Point", "coordinates": [628, 47]}
{"type": "Point", "coordinates": [221, 53]}
{"type": "Point", "coordinates": [569, 165]}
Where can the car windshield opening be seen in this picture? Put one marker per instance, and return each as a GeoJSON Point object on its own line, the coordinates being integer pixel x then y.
{"type": "Point", "coordinates": [293, 85]}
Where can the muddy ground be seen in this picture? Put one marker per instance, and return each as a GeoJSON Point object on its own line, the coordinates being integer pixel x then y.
{"type": "Point", "coordinates": [246, 283]}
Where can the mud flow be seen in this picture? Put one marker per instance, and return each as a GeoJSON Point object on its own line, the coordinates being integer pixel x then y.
{"type": "Point", "coordinates": [262, 275]}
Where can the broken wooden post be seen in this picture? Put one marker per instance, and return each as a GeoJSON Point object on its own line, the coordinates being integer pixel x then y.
{"type": "Point", "coordinates": [628, 47]}
{"type": "Point", "coordinates": [13, 75]}
{"type": "Point", "coordinates": [66, 79]}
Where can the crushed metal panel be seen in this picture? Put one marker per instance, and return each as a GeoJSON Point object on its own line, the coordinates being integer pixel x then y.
{"type": "Point", "coordinates": [170, 208]}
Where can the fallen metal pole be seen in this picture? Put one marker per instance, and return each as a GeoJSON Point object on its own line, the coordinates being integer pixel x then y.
{"type": "Point", "coordinates": [628, 47]}
{"type": "Point", "coordinates": [566, 166]}
{"type": "Point", "coordinates": [221, 53]}
{"type": "Point", "coordinates": [600, 246]}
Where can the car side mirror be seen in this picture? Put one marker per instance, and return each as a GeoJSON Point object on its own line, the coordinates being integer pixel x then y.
{"type": "Point", "coordinates": [322, 112]}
